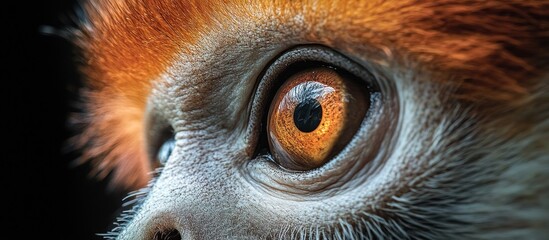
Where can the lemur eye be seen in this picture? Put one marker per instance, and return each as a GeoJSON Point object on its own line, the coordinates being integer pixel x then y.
{"type": "Point", "coordinates": [165, 151]}
{"type": "Point", "coordinates": [314, 114]}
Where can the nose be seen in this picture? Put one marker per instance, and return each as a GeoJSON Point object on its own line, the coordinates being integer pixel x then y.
{"type": "Point", "coordinates": [188, 200]}
{"type": "Point", "coordinates": [169, 234]}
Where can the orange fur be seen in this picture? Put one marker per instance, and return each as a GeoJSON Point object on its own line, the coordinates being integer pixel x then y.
{"type": "Point", "coordinates": [495, 48]}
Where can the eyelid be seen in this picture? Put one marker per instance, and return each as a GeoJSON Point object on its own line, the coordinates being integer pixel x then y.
{"type": "Point", "coordinates": [354, 164]}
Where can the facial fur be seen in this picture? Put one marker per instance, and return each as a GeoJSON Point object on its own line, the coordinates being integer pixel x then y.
{"type": "Point", "coordinates": [463, 152]}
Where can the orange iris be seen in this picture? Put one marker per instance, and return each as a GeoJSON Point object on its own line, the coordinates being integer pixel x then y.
{"type": "Point", "coordinates": [313, 116]}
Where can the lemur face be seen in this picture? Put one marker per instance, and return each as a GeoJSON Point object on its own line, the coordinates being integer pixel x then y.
{"type": "Point", "coordinates": [320, 120]}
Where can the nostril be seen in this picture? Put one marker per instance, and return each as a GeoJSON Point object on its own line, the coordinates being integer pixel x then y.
{"type": "Point", "coordinates": [169, 234]}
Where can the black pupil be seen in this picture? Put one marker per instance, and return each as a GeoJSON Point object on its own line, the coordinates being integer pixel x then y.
{"type": "Point", "coordinates": [307, 115]}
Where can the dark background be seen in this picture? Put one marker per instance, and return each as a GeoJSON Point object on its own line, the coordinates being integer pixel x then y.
{"type": "Point", "coordinates": [43, 196]}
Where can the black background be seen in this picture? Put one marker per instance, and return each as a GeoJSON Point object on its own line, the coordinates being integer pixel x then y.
{"type": "Point", "coordinates": [43, 196]}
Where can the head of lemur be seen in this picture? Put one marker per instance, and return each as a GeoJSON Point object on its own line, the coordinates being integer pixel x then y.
{"type": "Point", "coordinates": [319, 119]}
